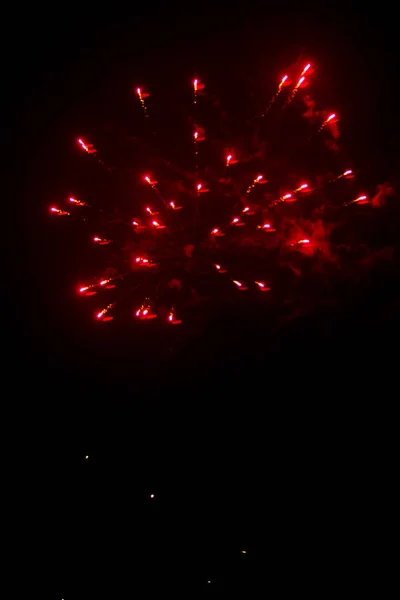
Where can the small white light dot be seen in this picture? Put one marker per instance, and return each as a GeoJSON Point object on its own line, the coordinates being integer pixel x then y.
{"type": "Point", "coordinates": [151, 495]}
{"type": "Point", "coordinates": [87, 456]}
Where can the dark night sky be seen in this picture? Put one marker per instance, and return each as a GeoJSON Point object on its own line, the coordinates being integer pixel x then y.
{"type": "Point", "coordinates": [239, 466]}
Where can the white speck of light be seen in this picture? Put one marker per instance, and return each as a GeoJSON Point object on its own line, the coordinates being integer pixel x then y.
{"type": "Point", "coordinates": [151, 495]}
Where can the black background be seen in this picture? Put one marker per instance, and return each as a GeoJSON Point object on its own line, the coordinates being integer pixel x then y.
{"type": "Point", "coordinates": [286, 455]}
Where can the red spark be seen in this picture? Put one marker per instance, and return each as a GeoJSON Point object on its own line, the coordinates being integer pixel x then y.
{"type": "Point", "coordinates": [262, 286]}
{"type": "Point", "coordinates": [284, 78]}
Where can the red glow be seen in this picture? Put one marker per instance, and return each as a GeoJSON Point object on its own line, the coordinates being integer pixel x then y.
{"type": "Point", "coordinates": [195, 85]}
{"type": "Point", "coordinates": [361, 200]}
{"type": "Point", "coordinates": [300, 82]}
{"type": "Point", "coordinates": [266, 226]}
{"type": "Point", "coordinates": [100, 314]}
{"type": "Point", "coordinates": [259, 177]}
{"type": "Point", "coordinates": [156, 224]}
{"type": "Point", "coordinates": [349, 172]}
{"type": "Point", "coordinates": [246, 209]}
{"type": "Point", "coordinates": [199, 186]}
{"type": "Point", "coordinates": [332, 116]}
{"type": "Point", "coordinates": [304, 186]}
{"type": "Point", "coordinates": [262, 286]}
{"type": "Point", "coordinates": [235, 220]}
{"type": "Point", "coordinates": [284, 78]}
{"type": "Point", "coordinates": [196, 135]}
{"type": "Point", "coordinates": [135, 223]}
{"type": "Point", "coordinates": [83, 289]}
{"type": "Point", "coordinates": [286, 196]}
{"type": "Point", "coordinates": [170, 317]}
{"type": "Point", "coordinates": [104, 282]}
{"type": "Point", "coordinates": [214, 231]}
{"type": "Point", "coordinates": [57, 211]}
{"type": "Point", "coordinates": [147, 178]}
{"type": "Point", "coordinates": [303, 242]}
{"type": "Point", "coordinates": [306, 69]}
{"type": "Point", "coordinates": [238, 283]}
{"type": "Point", "coordinates": [172, 204]}
{"type": "Point", "coordinates": [218, 267]}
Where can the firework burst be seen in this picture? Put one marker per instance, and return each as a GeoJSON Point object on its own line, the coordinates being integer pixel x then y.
{"type": "Point", "coordinates": [209, 230]}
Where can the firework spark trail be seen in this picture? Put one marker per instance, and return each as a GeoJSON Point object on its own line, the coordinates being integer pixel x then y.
{"type": "Point", "coordinates": [142, 95]}
{"type": "Point", "coordinates": [280, 87]}
{"type": "Point", "coordinates": [331, 119]}
{"type": "Point", "coordinates": [294, 91]}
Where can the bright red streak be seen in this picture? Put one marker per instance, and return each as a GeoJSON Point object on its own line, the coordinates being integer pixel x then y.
{"type": "Point", "coordinates": [156, 224]}
{"type": "Point", "coordinates": [284, 78]}
{"type": "Point", "coordinates": [306, 69]}
{"type": "Point", "coordinates": [332, 116]}
{"type": "Point", "coordinates": [349, 172]}
{"type": "Point", "coordinates": [237, 283]}
{"type": "Point", "coordinates": [286, 197]}
{"type": "Point", "coordinates": [235, 220]}
{"type": "Point", "coordinates": [300, 82]}
{"type": "Point", "coordinates": [266, 226]}
{"type": "Point", "coordinates": [83, 289]}
{"type": "Point", "coordinates": [196, 135]}
{"type": "Point", "coordinates": [303, 242]}
{"type": "Point", "coordinates": [228, 159]}
{"type": "Point", "coordinates": [262, 286]}
{"type": "Point", "coordinates": [304, 186]}
{"type": "Point", "coordinates": [53, 209]}
{"type": "Point", "coordinates": [195, 85]}
{"type": "Point", "coordinates": [258, 178]}
{"type": "Point", "coordinates": [246, 209]}
{"type": "Point", "coordinates": [216, 230]}
{"type": "Point", "coordinates": [199, 186]}
{"type": "Point", "coordinates": [147, 178]}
